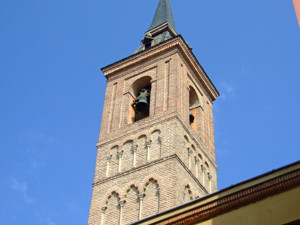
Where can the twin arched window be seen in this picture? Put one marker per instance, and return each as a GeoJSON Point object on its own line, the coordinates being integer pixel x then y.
{"type": "Point", "coordinates": [140, 101]}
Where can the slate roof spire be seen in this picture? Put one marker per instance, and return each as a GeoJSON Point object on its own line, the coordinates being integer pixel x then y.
{"type": "Point", "coordinates": [163, 14]}
{"type": "Point", "coordinates": [162, 27]}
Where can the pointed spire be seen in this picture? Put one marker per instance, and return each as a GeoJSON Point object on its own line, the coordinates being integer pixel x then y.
{"type": "Point", "coordinates": [163, 14]}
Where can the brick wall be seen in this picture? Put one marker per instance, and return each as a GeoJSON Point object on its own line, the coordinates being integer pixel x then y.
{"type": "Point", "coordinates": [158, 162]}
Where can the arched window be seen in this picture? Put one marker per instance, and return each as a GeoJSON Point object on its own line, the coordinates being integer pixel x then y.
{"type": "Point", "coordinates": [141, 153]}
{"type": "Point", "coordinates": [151, 200]}
{"type": "Point", "coordinates": [113, 210]}
{"type": "Point", "coordinates": [131, 208]}
{"type": "Point", "coordinates": [193, 105]}
{"type": "Point", "coordinates": [112, 161]}
{"type": "Point", "coordinates": [127, 156]}
{"type": "Point", "coordinates": [140, 99]}
{"type": "Point", "coordinates": [156, 145]}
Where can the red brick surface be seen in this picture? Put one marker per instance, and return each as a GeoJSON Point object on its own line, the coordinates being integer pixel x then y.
{"type": "Point", "coordinates": [173, 174]}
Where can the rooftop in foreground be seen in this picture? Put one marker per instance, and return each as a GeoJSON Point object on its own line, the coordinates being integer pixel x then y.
{"type": "Point", "coordinates": [269, 199]}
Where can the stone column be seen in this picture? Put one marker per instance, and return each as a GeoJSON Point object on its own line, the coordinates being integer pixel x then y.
{"type": "Point", "coordinates": [108, 165]}
{"type": "Point", "coordinates": [184, 197]}
{"type": "Point", "coordinates": [103, 209]}
{"type": "Point", "coordinates": [147, 146]}
{"type": "Point", "coordinates": [158, 197]}
{"type": "Point", "coordinates": [153, 93]}
{"type": "Point", "coordinates": [210, 182]}
{"type": "Point", "coordinates": [159, 140]}
{"type": "Point", "coordinates": [203, 169]}
{"type": "Point", "coordinates": [141, 197]}
{"type": "Point", "coordinates": [134, 150]}
{"type": "Point", "coordinates": [120, 154]}
{"type": "Point", "coordinates": [190, 152]}
{"type": "Point", "coordinates": [121, 204]}
{"type": "Point", "coordinates": [197, 161]}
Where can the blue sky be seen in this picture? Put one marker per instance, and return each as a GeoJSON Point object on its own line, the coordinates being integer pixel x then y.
{"type": "Point", "coordinates": [52, 92]}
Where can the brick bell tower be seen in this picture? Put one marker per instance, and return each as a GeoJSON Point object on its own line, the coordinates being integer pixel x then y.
{"type": "Point", "coordinates": [156, 145]}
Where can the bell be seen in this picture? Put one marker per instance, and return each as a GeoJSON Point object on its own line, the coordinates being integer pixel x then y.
{"type": "Point", "coordinates": [192, 118]}
{"type": "Point", "coordinates": [142, 104]}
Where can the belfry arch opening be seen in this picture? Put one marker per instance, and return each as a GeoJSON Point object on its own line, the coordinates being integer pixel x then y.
{"type": "Point", "coordinates": [140, 99]}
{"type": "Point", "coordinates": [193, 105]}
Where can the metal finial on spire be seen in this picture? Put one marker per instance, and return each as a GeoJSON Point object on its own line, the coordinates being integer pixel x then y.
{"type": "Point", "coordinates": [163, 14]}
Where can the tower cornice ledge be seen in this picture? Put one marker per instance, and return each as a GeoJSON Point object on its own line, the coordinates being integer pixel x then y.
{"type": "Point", "coordinates": [176, 42]}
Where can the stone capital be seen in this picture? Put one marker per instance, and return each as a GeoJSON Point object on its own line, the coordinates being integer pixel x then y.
{"type": "Point", "coordinates": [197, 160]}
{"type": "Point", "coordinates": [159, 140]}
{"type": "Point", "coordinates": [120, 154]}
{"type": "Point", "coordinates": [158, 190]}
{"type": "Point", "coordinates": [141, 197]}
{"type": "Point", "coordinates": [203, 168]}
{"type": "Point", "coordinates": [134, 148]}
{"type": "Point", "coordinates": [103, 209]}
{"type": "Point", "coordinates": [190, 151]}
{"type": "Point", "coordinates": [109, 158]}
{"type": "Point", "coordinates": [147, 144]}
{"type": "Point", "coordinates": [122, 203]}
